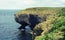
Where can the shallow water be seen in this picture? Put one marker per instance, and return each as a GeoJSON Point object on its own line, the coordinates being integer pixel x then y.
{"type": "Point", "coordinates": [8, 27]}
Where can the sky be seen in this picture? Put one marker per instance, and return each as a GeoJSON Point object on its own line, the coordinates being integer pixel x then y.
{"type": "Point", "coordinates": [22, 4]}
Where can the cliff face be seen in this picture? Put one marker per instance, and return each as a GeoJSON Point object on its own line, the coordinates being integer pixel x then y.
{"type": "Point", "coordinates": [31, 19]}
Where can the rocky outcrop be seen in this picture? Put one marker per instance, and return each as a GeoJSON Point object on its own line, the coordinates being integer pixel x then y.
{"type": "Point", "coordinates": [34, 16]}
{"type": "Point", "coordinates": [31, 19]}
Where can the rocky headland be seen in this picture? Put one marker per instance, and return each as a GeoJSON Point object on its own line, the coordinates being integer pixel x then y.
{"type": "Point", "coordinates": [42, 21]}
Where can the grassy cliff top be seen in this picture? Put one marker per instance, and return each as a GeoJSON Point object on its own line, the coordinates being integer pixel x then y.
{"type": "Point", "coordinates": [39, 10]}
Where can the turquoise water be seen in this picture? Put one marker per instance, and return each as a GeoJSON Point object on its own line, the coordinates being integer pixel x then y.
{"type": "Point", "coordinates": [8, 26]}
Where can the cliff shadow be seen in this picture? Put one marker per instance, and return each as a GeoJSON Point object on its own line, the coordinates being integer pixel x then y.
{"type": "Point", "coordinates": [24, 36]}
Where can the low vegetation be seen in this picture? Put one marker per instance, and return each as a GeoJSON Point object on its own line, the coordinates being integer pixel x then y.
{"type": "Point", "coordinates": [54, 26]}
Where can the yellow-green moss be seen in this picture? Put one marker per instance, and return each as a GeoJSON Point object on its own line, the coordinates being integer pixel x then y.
{"type": "Point", "coordinates": [39, 10]}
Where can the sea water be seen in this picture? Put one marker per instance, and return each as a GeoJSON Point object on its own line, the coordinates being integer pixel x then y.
{"type": "Point", "coordinates": [9, 27]}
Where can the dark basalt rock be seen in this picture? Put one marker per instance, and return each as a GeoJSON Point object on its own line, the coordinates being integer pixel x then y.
{"type": "Point", "coordinates": [29, 19]}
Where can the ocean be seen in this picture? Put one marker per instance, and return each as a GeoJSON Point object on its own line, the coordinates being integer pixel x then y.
{"type": "Point", "coordinates": [9, 27]}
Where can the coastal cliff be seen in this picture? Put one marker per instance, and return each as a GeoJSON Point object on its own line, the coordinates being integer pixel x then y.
{"type": "Point", "coordinates": [47, 19]}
